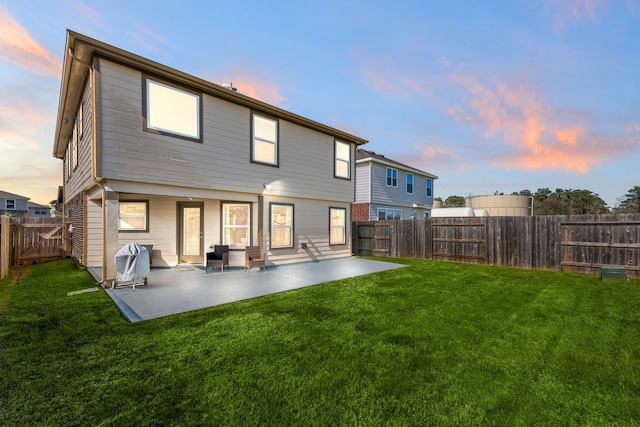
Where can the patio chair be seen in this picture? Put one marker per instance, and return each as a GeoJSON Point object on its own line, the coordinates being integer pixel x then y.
{"type": "Point", "coordinates": [253, 257]}
{"type": "Point", "coordinates": [218, 258]}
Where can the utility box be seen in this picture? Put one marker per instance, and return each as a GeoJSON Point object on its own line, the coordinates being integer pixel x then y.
{"type": "Point", "coordinates": [613, 273]}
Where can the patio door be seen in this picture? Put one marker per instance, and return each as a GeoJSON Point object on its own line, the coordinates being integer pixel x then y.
{"type": "Point", "coordinates": [190, 233]}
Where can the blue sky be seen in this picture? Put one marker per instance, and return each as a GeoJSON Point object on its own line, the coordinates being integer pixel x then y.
{"type": "Point", "coordinates": [487, 95]}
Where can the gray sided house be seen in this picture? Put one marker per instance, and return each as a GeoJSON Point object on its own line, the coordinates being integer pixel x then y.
{"type": "Point", "coordinates": [13, 204]}
{"type": "Point", "coordinates": [386, 189]}
{"type": "Point", "coordinates": [158, 157]}
{"type": "Point", "coordinates": [39, 211]}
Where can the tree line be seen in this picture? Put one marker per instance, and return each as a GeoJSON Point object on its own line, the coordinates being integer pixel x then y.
{"type": "Point", "coordinates": [567, 202]}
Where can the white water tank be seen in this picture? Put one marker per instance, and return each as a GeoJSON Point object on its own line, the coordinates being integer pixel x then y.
{"type": "Point", "coordinates": [501, 205]}
{"type": "Point", "coordinates": [452, 212]}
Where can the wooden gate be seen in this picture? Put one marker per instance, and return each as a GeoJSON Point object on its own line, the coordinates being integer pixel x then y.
{"type": "Point", "coordinates": [38, 240]}
{"type": "Point", "coordinates": [373, 238]}
{"type": "Point", "coordinates": [589, 245]}
{"type": "Point", "coordinates": [462, 240]}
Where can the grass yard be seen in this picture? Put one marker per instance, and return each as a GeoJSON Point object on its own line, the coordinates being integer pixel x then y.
{"type": "Point", "coordinates": [431, 344]}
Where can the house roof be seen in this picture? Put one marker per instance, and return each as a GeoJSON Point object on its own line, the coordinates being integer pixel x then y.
{"type": "Point", "coordinates": [37, 206]}
{"type": "Point", "coordinates": [80, 52]}
{"type": "Point", "coordinates": [370, 156]}
{"type": "Point", "coordinates": [6, 195]}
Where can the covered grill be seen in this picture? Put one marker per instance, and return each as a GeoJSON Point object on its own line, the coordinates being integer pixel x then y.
{"type": "Point", "coordinates": [132, 265]}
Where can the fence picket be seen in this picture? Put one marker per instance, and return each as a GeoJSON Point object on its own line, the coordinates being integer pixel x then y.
{"type": "Point", "coordinates": [581, 243]}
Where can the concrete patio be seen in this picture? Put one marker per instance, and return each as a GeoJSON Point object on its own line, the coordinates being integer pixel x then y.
{"type": "Point", "coordinates": [185, 288]}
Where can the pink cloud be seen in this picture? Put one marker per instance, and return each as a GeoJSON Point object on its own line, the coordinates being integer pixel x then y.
{"type": "Point", "coordinates": [256, 87]}
{"type": "Point", "coordinates": [148, 38]}
{"type": "Point", "coordinates": [534, 136]}
{"type": "Point", "coordinates": [572, 12]}
{"type": "Point", "coordinates": [18, 47]}
{"type": "Point", "coordinates": [385, 78]}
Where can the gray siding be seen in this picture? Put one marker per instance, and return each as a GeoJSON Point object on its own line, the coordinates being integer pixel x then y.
{"type": "Point", "coordinates": [222, 160]}
{"type": "Point", "coordinates": [363, 182]}
{"type": "Point", "coordinates": [397, 196]}
{"type": "Point", "coordinates": [81, 177]}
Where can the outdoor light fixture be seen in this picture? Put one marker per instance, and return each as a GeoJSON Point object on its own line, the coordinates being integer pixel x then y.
{"type": "Point", "coordinates": [265, 186]}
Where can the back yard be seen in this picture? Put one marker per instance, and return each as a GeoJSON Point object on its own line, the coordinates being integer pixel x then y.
{"type": "Point", "coordinates": [433, 343]}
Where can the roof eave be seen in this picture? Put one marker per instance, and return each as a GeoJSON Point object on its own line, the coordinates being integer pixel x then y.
{"type": "Point", "coordinates": [79, 52]}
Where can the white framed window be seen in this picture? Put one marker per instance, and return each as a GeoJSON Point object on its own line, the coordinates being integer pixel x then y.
{"type": "Point", "coordinates": [74, 146]}
{"type": "Point", "coordinates": [281, 226]}
{"type": "Point", "coordinates": [389, 214]}
{"type": "Point", "coordinates": [10, 204]}
{"type": "Point", "coordinates": [236, 220]}
{"type": "Point", "coordinates": [81, 120]}
{"type": "Point", "coordinates": [429, 187]}
{"type": "Point", "coordinates": [392, 177]}
{"type": "Point", "coordinates": [337, 226]}
{"type": "Point", "coordinates": [170, 110]}
{"type": "Point", "coordinates": [342, 167]}
{"type": "Point", "coordinates": [409, 183]}
{"type": "Point", "coordinates": [133, 216]}
{"type": "Point", "coordinates": [264, 140]}
{"type": "Point", "coordinates": [67, 158]}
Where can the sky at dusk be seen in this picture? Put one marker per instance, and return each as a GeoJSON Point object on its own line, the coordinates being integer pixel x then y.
{"type": "Point", "coordinates": [487, 95]}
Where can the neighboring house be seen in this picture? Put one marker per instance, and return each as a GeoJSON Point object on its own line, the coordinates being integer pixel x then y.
{"type": "Point", "coordinates": [386, 189]}
{"type": "Point", "coordinates": [39, 211]}
{"type": "Point", "coordinates": [13, 204]}
{"type": "Point", "coordinates": [159, 157]}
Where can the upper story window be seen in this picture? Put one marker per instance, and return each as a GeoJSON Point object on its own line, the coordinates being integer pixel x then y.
{"type": "Point", "coordinates": [81, 120]}
{"type": "Point", "coordinates": [392, 177]}
{"type": "Point", "coordinates": [409, 183]}
{"type": "Point", "coordinates": [10, 204]}
{"type": "Point", "coordinates": [264, 140]}
{"type": "Point", "coordinates": [133, 216]}
{"type": "Point", "coordinates": [342, 160]}
{"type": "Point", "coordinates": [74, 147]}
{"type": "Point", "coordinates": [281, 226]}
{"type": "Point", "coordinates": [429, 187]}
{"type": "Point", "coordinates": [173, 111]}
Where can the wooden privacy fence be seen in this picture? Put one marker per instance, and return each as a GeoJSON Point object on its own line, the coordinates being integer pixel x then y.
{"type": "Point", "coordinates": [31, 240]}
{"type": "Point", "coordinates": [582, 243]}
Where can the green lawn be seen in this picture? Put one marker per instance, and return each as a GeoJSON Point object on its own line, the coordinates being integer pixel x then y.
{"type": "Point", "coordinates": [431, 344]}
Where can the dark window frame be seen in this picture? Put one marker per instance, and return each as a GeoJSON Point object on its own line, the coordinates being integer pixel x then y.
{"type": "Point", "coordinates": [178, 87]}
{"type": "Point", "coordinates": [344, 234]}
{"type": "Point", "coordinates": [260, 114]}
{"type": "Point", "coordinates": [335, 160]}
{"type": "Point", "coordinates": [293, 225]}
{"type": "Point", "coordinates": [146, 217]}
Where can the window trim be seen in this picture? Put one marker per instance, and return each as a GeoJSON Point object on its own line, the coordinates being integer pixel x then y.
{"type": "Point", "coordinates": [74, 146]}
{"type": "Point", "coordinates": [393, 210]}
{"type": "Point", "coordinates": [429, 187]}
{"type": "Point", "coordinates": [291, 227]}
{"type": "Point", "coordinates": [336, 159]}
{"type": "Point", "coordinates": [252, 159]}
{"type": "Point", "coordinates": [344, 227]}
{"type": "Point", "coordinates": [223, 227]}
{"type": "Point", "coordinates": [6, 204]}
{"type": "Point", "coordinates": [146, 217]}
{"type": "Point", "coordinates": [409, 174]}
{"type": "Point", "coordinates": [145, 108]}
{"type": "Point", "coordinates": [391, 180]}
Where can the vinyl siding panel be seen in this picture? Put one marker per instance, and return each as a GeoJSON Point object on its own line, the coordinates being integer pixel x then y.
{"type": "Point", "coordinates": [94, 233]}
{"type": "Point", "coordinates": [397, 196]}
{"type": "Point", "coordinates": [311, 226]}
{"type": "Point", "coordinates": [81, 177]}
{"type": "Point", "coordinates": [363, 183]}
{"type": "Point", "coordinates": [162, 232]}
{"type": "Point", "coordinates": [222, 160]}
